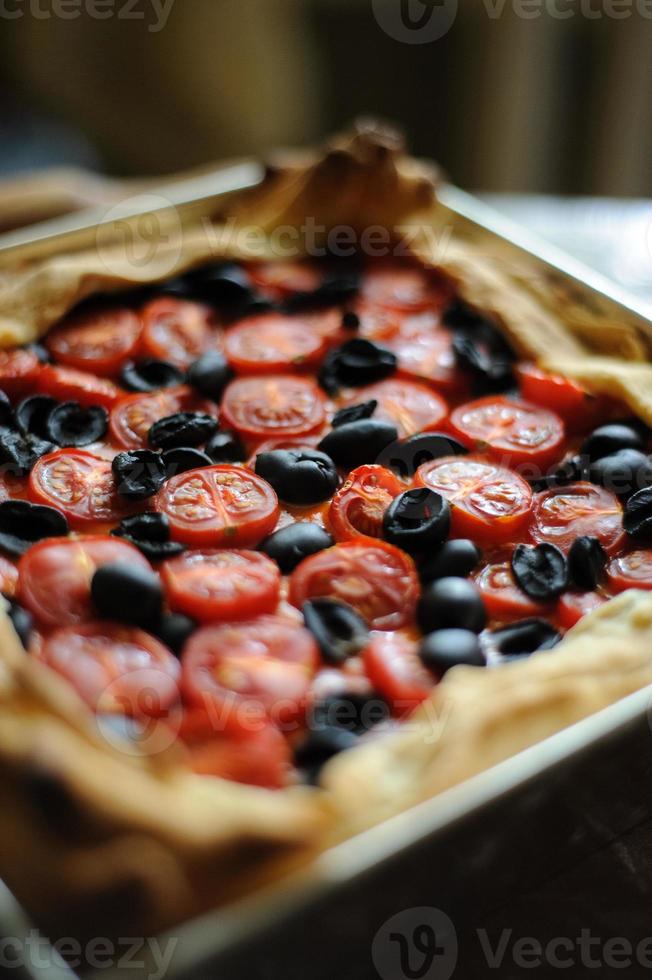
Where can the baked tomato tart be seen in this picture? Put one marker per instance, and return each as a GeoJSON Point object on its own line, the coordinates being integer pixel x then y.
{"type": "Point", "coordinates": [261, 518]}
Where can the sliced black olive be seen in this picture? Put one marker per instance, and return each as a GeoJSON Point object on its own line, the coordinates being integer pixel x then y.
{"type": "Point", "coordinates": [21, 621]}
{"type": "Point", "coordinates": [150, 533]}
{"type": "Point", "coordinates": [406, 456]}
{"type": "Point", "coordinates": [128, 594]}
{"type": "Point", "coordinates": [491, 370]}
{"type": "Point", "coordinates": [569, 471]}
{"type": "Point", "coordinates": [417, 520]}
{"type": "Point", "coordinates": [299, 476]}
{"type": "Point", "coordinates": [623, 473]}
{"type": "Point", "coordinates": [33, 413]}
{"type": "Point", "coordinates": [175, 630]}
{"type": "Point", "coordinates": [351, 321]}
{"type": "Point", "coordinates": [353, 413]}
{"type": "Point", "coordinates": [359, 362]}
{"type": "Point", "coordinates": [224, 284]}
{"type": "Point", "coordinates": [522, 639]}
{"type": "Point", "coordinates": [293, 543]}
{"type": "Point", "coordinates": [23, 523]}
{"type": "Point", "coordinates": [451, 603]}
{"type": "Point", "coordinates": [541, 571]}
{"type": "Point", "coordinates": [637, 519]}
{"type": "Point", "coordinates": [210, 374]}
{"type": "Point", "coordinates": [333, 291]}
{"type": "Point", "coordinates": [586, 562]}
{"type": "Point", "coordinates": [319, 747]}
{"type": "Point", "coordinates": [444, 649]}
{"type": "Point", "coordinates": [338, 629]}
{"type": "Point", "coordinates": [138, 474]}
{"type": "Point", "coordinates": [455, 558]}
{"type": "Point", "coordinates": [349, 710]}
{"type": "Point", "coordinates": [20, 452]}
{"type": "Point", "coordinates": [182, 429]}
{"type": "Point", "coordinates": [225, 447]}
{"type": "Point", "coordinates": [71, 425]}
{"type": "Point", "coordinates": [459, 316]}
{"type": "Point", "coordinates": [356, 443]}
{"type": "Point", "coordinates": [6, 411]}
{"type": "Point", "coordinates": [181, 460]}
{"type": "Point", "coordinates": [150, 375]}
{"type": "Point", "coordinates": [610, 439]}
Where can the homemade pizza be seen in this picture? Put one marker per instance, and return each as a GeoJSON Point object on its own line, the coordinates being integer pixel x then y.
{"type": "Point", "coordinates": [274, 527]}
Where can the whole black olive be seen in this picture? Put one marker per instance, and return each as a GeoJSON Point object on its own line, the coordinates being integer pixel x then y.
{"type": "Point", "coordinates": [406, 456]}
{"type": "Point", "coordinates": [354, 712]}
{"type": "Point", "coordinates": [225, 447]}
{"type": "Point", "coordinates": [293, 543]}
{"type": "Point", "coordinates": [149, 375]}
{"type": "Point", "coordinates": [353, 413]}
{"type": "Point", "coordinates": [128, 594]}
{"type": "Point", "coordinates": [181, 460]}
{"type": "Point", "coordinates": [451, 603]}
{"type": "Point", "coordinates": [444, 649]}
{"type": "Point", "coordinates": [356, 443]}
{"type": "Point", "coordinates": [417, 520]}
{"type": "Point", "coordinates": [32, 415]}
{"type": "Point", "coordinates": [455, 558]}
{"type": "Point", "coordinates": [338, 629]}
{"type": "Point", "coordinates": [522, 639]}
{"type": "Point", "coordinates": [637, 518]}
{"type": "Point", "coordinates": [210, 374]}
{"type": "Point", "coordinates": [623, 473]}
{"type": "Point", "coordinates": [182, 429]}
{"type": "Point", "coordinates": [150, 533]}
{"type": "Point", "coordinates": [319, 747]}
{"type": "Point", "coordinates": [71, 425]}
{"type": "Point", "coordinates": [299, 476]}
{"type": "Point", "coordinates": [175, 630]}
{"type": "Point", "coordinates": [23, 523]}
{"type": "Point", "coordinates": [541, 571]}
{"type": "Point", "coordinates": [21, 621]}
{"type": "Point", "coordinates": [138, 474]}
{"type": "Point", "coordinates": [586, 562]}
{"type": "Point", "coordinates": [608, 439]}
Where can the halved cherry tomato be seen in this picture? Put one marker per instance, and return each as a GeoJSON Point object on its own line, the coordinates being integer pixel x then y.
{"type": "Point", "coordinates": [579, 409]}
{"type": "Point", "coordinates": [501, 595]}
{"type": "Point", "coordinates": [631, 571]}
{"type": "Point", "coordinates": [19, 369]}
{"type": "Point", "coordinates": [70, 385]}
{"type": "Point", "coordinates": [574, 606]}
{"type": "Point", "coordinates": [8, 577]}
{"type": "Point", "coordinates": [80, 485]}
{"type": "Point", "coordinates": [134, 415]}
{"type": "Point", "coordinates": [510, 431]}
{"type": "Point", "coordinates": [242, 672]}
{"type": "Point", "coordinates": [392, 665]}
{"type": "Point", "coordinates": [374, 577]}
{"type": "Point", "coordinates": [412, 407]}
{"type": "Point", "coordinates": [97, 341]}
{"type": "Point", "coordinates": [275, 342]}
{"type": "Point", "coordinates": [376, 323]}
{"type": "Point", "coordinates": [114, 668]}
{"type": "Point", "coordinates": [219, 506]}
{"type": "Point", "coordinates": [222, 585]}
{"type": "Point", "coordinates": [261, 758]}
{"type": "Point", "coordinates": [178, 331]}
{"type": "Point", "coordinates": [55, 575]}
{"type": "Point", "coordinates": [489, 503]}
{"type": "Point", "coordinates": [402, 286]}
{"type": "Point", "coordinates": [425, 351]}
{"type": "Point", "coordinates": [12, 487]}
{"type": "Point", "coordinates": [564, 513]}
{"type": "Point", "coordinates": [359, 505]}
{"type": "Point", "coordinates": [280, 278]}
{"type": "Point", "coordinates": [280, 404]}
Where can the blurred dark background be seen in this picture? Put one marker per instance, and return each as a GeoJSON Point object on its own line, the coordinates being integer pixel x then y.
{"type": "Point", "coordinates": [506, 102]}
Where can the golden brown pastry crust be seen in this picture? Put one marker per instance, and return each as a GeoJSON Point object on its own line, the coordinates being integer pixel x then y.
{"type": "Point", "coordinates": [92, 835]}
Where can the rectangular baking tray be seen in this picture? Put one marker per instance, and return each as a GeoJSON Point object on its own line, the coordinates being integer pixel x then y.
{"type": "Point", "coordinates": [474, 852]}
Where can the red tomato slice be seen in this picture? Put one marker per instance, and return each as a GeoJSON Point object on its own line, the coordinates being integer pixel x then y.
{"type": "Point", "coordinates": [55, 576]}
{"type": "Point", "coordinates": [425, 351]}
{"type": "Point", "coordinates": [631, 571]}
{"type": "Point", "coordinates": [80, 485]}
{"type": "Point", "coordinates": [274, 342]}
{"type": "Point", "coordinates": [359, 505]}
{"type": "Point", "coordinates": [402, 286]}
{"type": "Point", "coordinates": [393, 667]}
{"type": "Point", "coordinates": [489, 503]}
{"type": "Point", "coordinates": [410, 406]}
{"type": "Point", "coordinates": [12, 487]}
{"type": "Point", "coordinates": [8, 577]}
{"type": "Point", "coordinates": [510, 431]}
{"type": "Point", "coordinates": [376, 323]}
{"type": "Point", "coordinates": [564, 513]}
{"type": "Point", "coordinates": [260, 758]}
{"type": "Point", "coordinates": [69, 385]}
{"type": "Point", "coordinates": [574, 606]}
{"type": "Point", "coordinates": [242, 672]}
{"type": "Point", "coordinates": [579, 409]}
{"type": "Point", "coordinates": [134, 415]}
{"type": "Point", "coordinates": [217, 506]}
{"type": "Point", "coordinates": [114, 668]}
{"type": "Point", "coordinates": [501, 595]}
{"type": "Point", "coordinates": [374, 577]}
{"type": "Point", "coordinates": [98, 341]}
{"type": "Point", "coordinates": [281, 405]}
{"type": "Point", "coordinates": [280, 279]}
{"type": "Point", "coordinates": [19, 370]}
{"type": "Point", "coordinates": [178, 331]}
{"type": "Point", "coordinates": [218, 585]}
